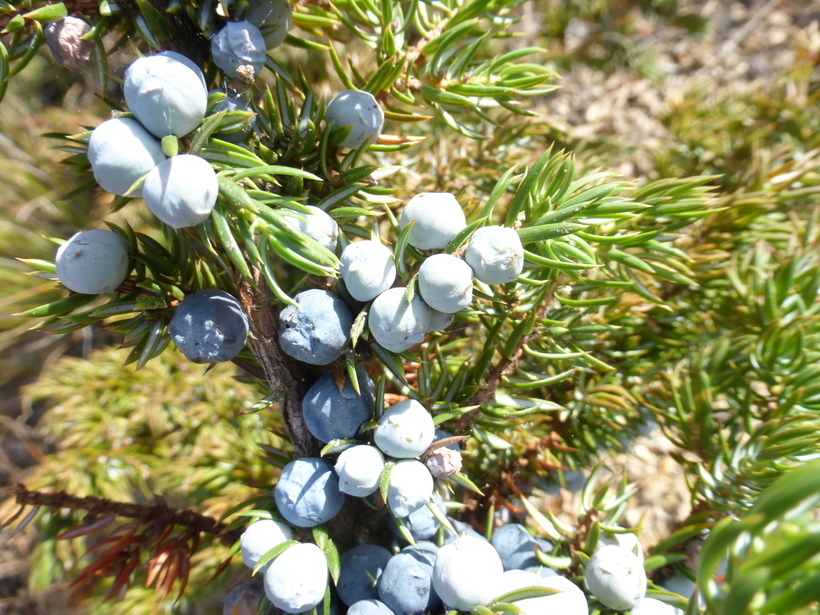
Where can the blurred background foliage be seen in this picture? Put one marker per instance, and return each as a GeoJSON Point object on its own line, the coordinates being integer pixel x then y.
{"type": "Point", "coordinates": [716, 358]}
{"type": "Point", "coordinates": [160, 434]}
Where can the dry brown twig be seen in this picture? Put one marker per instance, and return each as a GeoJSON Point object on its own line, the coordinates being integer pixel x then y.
{"type": "Point", "coordinates": [151, 529]}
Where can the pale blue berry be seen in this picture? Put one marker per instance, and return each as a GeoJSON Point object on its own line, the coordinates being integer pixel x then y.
{"type": "Point", "coordinates": [410, 487]}
{"type": "Point", "coordinates": [121, 151]}
{"type": "Point", "coordinates": [405, 430]}
{"type": "Point", "coordinates": [92, 262]}
{"type": "Point", "coordinates": [368, 269]}
{"type": "Point", "coordinates": [359, 110]}
{"type": "Point", "coordinates": [446, 283]}
{"type": "Point", "coordinates": [182, 190]}
{"type": "Point", "coordinates": [296, 581]}
{"type": "Point", "coordinates": [438, 218]}
{"type": "Point", "coordinates": [166, 92]}
{"type": "Point", "coordinates": [496, 254]}
{"type": "Point", "coordinates": [397, 324]}
{"type": "Point", "coordinates": [239, 50]}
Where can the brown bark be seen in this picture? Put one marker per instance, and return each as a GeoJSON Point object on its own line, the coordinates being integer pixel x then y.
{"type": "Point", "coordinates": [284, 375]}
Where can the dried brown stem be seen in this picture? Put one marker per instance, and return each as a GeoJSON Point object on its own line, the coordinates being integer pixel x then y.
{"type": "Point", "coordinates": [153, 514]}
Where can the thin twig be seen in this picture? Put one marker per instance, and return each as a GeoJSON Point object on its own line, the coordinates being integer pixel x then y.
{"type": "Point", "coordinates": [148, 513]}
{"type": "Point", "coordinates": [496, 373]}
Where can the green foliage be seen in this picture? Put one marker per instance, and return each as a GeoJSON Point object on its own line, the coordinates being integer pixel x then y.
{"type": "Point", "coordinates": [35, 208]}
{"type": "Point", "coordinates": [746, 357]}
{"type": "Point", "coordinates": [772, 551]}
{"type": "Point", "coordinates": [167, 431]}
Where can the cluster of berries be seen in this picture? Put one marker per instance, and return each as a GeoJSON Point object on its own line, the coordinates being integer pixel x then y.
{"type": "Point", "coordinates": [460, 572]}
{"type": "Point", "coordinates": [166, 93]}
{"type": "Point", "coordinates": [465, 571]}
{"type": "Point", "coordinates": [297, 579]}
{"type": "Point", "coordinates": [494, 255]}
{"type": "Point", "coordinates": [317, 330]}
{"type": "Point", "coordinates": [310, 490]}
{"type": "Point", "coordinates": [167, 96]}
